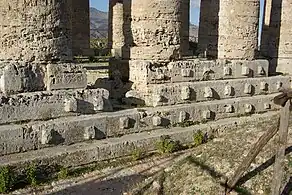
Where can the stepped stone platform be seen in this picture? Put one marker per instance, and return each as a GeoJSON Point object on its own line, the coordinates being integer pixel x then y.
{"type": "Point", "coordinates": [66, 116]}
{"type": "Point", "coordinates": [98, 150]}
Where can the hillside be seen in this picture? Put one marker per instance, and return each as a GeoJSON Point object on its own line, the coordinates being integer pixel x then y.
{"type": "Point", "coordinates": [99, 24]}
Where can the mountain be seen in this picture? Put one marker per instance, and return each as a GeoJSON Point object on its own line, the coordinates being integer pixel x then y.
{"type": "Point", "coordinates": [99, 25]}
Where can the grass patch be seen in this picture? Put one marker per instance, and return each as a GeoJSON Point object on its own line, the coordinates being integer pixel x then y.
{"type": "Point", "coordinates": [199, 138]}
{"type": "Point", "coordinates": [167, 145]}
{"type": "Point", "coordinates": [6, 179]}
{"type": "Point", "coordinates": [138, 154]}
{"type": "Point", "coordinates": [63, 173]}
{"type": "Point", "coordinates": [31, 175]}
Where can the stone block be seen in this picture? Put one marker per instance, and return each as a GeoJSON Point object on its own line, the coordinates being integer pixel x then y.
{"type": "Point", "coordinates": [279, 85]}
{"type": "Point", "coordinates": [185, 93]}
{"type": "Point", "coordinates": [245, 71]}
{"type": "Point", "coordinates": [10, 80]}
{"type": "Point", "coordinates": [261, 71]}
{"type": "Point", "coordinates": [131, 120]}
{"type": "Point", "coordinates": [182, 116]}
{"type": "Point", "coordinates": [185, 72]}
{"type": "Point", "coordinates": [228, 90]}
{"type": "Point", "coordinates": [89, 133]}
{"type": "Point", "coordinates": [247, 88]}
{"type": "Point", "coordinates": [227, 71]}
{"type": "Point", "coordinates": [248, 108]}
{"type": "Point", "coordinates": [70, 130]}
{"type": "Point", "coordinates": [264, 86]}
{"type": "Point", "coordinates": [47, 136]}
{"type": "Point", "coordinates": [71, 104]}
{"type": "Point", "coordinates": [144, 72]}
{"type": "Point", "coordinates": [65, 76]}
{"type": "Point", "coordinates": [178, 93]}
{"type": "Point", "coordinates": [207, 114]}
{"type": "Point", "coordinates": [124, 122]}
{"type": "Point", "coordinates": [229, 108]}
{"type": "Point", "coordinates": [267, 106]}
{"type": "Point", "coordinates": [47, 105]}
{"type": "Point", "coordinates": [157, 121]}
{"type": "Point", "coordinates": [157, 100]}
{"type": "Point", "coordinates": [86, 153]}
{"type": "Point", "coordinates": [17, 138]}
{"type": "Point", "coordinates": [208, 92]}
{"type": "Point", "coordinates": [21, 77]}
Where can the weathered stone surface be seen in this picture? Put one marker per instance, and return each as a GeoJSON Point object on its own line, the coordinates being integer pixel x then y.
{"type": "Point", "coordinates": [116, 27]}
{"type": "Point", "coordinates": [238, 29]}
{"type": "Point", "coordinates": [230, 30]}
{"type": "Point", "coordinates": [276, 36]}
{"type": "Point", "coordinates": [178, 93]}
{"type": "Point", "coordinates": [21, 77]}
{"type": "Point", "coordinates": [35, 31]}
{"type": "Point", "coordinates": [80, 27]}
{"type": "Point", "coordinates": [66, 76]}
{"type": "Point", "coordinates": [208, 29]}
{"type": "Point", "coordinates": [89, 133]}
{"type": "Point", "coordinates": [71, 104]}
{"type": "Point", "coordinates": [152, 72]}
{"type": "Point", "coordinates": [70, 130]}
{"type": "Point", "coordinates": [47, 105]}
{"type": "Point", "coordinates": [85, 153]}
{"type": "Point", "coordinates": [159, 29]}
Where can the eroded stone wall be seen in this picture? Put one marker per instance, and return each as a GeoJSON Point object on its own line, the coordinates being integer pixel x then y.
{"type": "Point", "coordinates": [35, 30]}
{"type": "Point", "coordinates": [159, 29]}
{"type": "Point", "coordinates": [80, 26]}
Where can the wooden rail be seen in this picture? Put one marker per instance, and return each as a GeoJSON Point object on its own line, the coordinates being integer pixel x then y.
{"type": "Point", "coordinates": [284, 100]}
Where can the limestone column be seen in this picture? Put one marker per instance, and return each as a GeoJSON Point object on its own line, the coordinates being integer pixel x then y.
{"type": "Point", "coordinates": [229, 28]}
{"type": "Point", "coordinates": [208, 28]}
{"type": "Point", "coordinates": [280, 36]}
{"type": "Point", "coordinates": [238, 29]}
{"type": "Point", "coordinates": [35, 31]}
{"type": "Point", "coordinates": [80, 27]}
{"type": "Point", "coordinates": [159, 29]}
{"type": "Point", "coordinates": [116, 24]}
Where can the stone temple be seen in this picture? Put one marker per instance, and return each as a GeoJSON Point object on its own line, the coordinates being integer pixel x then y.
{"type": "Point", "coordinates": [50, 115]}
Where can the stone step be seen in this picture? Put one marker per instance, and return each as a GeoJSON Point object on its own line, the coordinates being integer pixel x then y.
{"type": "Point", "coordinates": [152, 72]}
{"type": "Point", "coordinates": [44, 105]}
{"type": "Point", "coordinates": [18, 77]}
{"type": "Point", "coordinates": [185, 92]}
{"type": "Point", "coordinates": [99, 150]}
{"type": "Point", "coordinates": [70, 130]}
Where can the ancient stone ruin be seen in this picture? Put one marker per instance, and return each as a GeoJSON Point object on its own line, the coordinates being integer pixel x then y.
{"type": "Point", "coordinates": [49, 114]}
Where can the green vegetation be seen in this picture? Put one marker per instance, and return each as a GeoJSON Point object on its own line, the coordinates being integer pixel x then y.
{"type": "Point", "coordinates": [138, 154]}
{"type": "Point", "coordinates": [199, 138]}
{"type": "Point", "coordinates": [31, 175]}
{"type": "Point", "coordinates": [6, 179]}
{"type": "Point", "coordinates": [63, 173]}
{"type": "Point", "coordinates": [167, 145]}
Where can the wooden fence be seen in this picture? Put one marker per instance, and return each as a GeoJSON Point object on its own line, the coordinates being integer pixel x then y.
{"type": "Point", "coordinates": [284, 100]}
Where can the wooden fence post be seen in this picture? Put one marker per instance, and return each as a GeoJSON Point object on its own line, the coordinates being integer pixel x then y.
{"type": "Point", "coordinates": [280, 154]}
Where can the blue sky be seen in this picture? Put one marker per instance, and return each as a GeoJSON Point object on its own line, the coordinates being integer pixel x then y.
{"type": "Point", "coordinates": [103, 6]}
